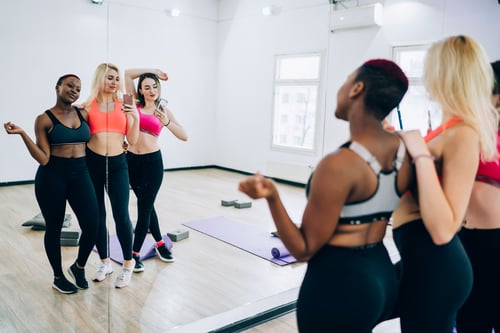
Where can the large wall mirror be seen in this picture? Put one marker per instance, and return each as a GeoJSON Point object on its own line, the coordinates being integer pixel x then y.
{"type": "Point", "coordinates": [43, 40]}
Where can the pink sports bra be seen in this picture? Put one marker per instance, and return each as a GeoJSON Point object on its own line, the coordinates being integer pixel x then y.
{"type": "Point", "coordinates": [149, 123]}
{"type": "Point", "coordinates": [489, 172]}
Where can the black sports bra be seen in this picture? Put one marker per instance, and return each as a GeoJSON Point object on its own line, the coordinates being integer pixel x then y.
{"type": "Point", "coordinates": [63, 135]}
{"type": "Point", "coordinates": [382, 203]}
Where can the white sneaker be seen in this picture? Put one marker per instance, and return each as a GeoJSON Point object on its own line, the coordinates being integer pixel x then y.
{"type": "Point", "coordinates": [124, 278]}
{"type": "Point", "coordinates": [104, 269]}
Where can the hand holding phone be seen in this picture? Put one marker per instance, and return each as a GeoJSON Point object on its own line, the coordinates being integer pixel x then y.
{"type": "Point", "coordinates": [128, 99]}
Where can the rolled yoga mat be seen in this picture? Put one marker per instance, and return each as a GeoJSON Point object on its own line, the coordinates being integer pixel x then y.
{"type": "Point", "coordinates": [243, 236]}
{"type": "Point", "coordinates": [280, 252]}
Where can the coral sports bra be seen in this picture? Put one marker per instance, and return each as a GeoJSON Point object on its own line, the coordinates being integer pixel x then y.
{"type": "Point", "coordinates": [114, 121]}
{"type": "Point", "coordinates": [434, 133]}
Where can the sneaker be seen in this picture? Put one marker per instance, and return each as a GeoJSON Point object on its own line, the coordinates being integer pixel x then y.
{"type": "Point", "coordinates": [139, 266]}
{"type": "Point", "coordinates": [78, 275]}
{"type": "Point", "coordinates": [104, 269]}
{"type": "Point", "coordinates": [164, 253]}
{"type": "Point", "coordinates": [124, 278]}
{"type": "Point", "coordinates": [63, 286]}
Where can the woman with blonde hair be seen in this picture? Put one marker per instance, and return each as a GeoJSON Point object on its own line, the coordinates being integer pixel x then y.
{"type": "Point", "coordinates": [111, 123]}
{"type": "Point", "coordinates": [436, 275]}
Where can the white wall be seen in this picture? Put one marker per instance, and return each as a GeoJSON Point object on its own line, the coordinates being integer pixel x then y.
{"type": "Point", "coordinates": [220, 58]}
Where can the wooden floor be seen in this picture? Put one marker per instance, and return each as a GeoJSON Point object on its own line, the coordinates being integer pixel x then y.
{"type": "Point", "coordinates": [209, 276]}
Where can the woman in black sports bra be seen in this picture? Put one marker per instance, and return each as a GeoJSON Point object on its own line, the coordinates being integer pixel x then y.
{"type": "Point", "coordinates": [436, 275]}
{"type": "Point", "coordinates": [61, 135]}
{"type": "Point", "coordinates": [350, 284]}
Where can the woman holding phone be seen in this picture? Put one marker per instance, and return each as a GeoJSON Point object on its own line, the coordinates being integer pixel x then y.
{"type": "Point", "coordinates": [111, 123]}
{"type": "Point", "coordinates": [145, 161]}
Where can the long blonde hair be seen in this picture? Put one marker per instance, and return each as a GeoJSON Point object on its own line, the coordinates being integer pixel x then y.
{"type": "Point", "coordinates": [98, 82]}
{"type": "Point", "coordinates": [458, 75]}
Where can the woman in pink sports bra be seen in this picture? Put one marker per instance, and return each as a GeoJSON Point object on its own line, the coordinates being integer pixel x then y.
{"type": "Point", "coordinates": [480, 236]}
{"type": "Point", "coordinates": [144, 158]}
{"type": "Point", "coordinates": [436, 274]}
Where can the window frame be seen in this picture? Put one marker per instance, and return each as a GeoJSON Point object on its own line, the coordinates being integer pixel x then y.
{"type": "Point", "coordinates": [431, 114]}
{"type": "Point", "coordinates": [316, 82]}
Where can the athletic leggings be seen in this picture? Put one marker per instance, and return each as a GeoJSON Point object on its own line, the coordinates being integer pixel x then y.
{"type": "Point", "coordinates": [110, 174]}
{"type": "Point", "coordinates": [146, 175]}
{"type": "Point", "coordinates": [347, 290]}
{"type": "Point", "coordinates": [435, 280]}
{"type": "Point", "coordinates": [66, 180]}
{"type": "Point", "coordinates": [481, 311]}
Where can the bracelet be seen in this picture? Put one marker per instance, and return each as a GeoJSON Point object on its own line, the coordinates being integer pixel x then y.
{"type": "Point", "coordinates": [167, 123]}
{"type": "Point", "coordinates": [415, 158]}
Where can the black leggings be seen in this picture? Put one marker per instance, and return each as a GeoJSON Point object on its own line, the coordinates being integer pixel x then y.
{"type": "Point", "coordinates": [146, 175]}
{"type": "Point", "coordinates": [435, 280]}
{"type": "Point", "coordinates": [66, 180]}
{"type": "Point", "coordinates": [111, 174]}
{"type": "Point", "coordinates": [481, 311]}
{"type": "Point", "coordinates": [347, 290]}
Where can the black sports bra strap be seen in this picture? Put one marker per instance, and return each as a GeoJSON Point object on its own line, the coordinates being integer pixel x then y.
{"type": "Point", "coordinates": [79, 114]}
{"type": "Point", "coordinates": [52, 117]}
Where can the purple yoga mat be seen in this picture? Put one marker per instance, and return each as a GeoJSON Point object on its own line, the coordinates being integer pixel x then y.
{"type": "Point", "coordinates": [243, 236]}
{"type": "Point", "coordinates": [280, 252]}
{"type": "Point", "coordinates": [147, 249]}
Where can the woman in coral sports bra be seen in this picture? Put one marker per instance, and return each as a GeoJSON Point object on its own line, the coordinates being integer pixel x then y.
{"type": "Point", "coordinates": [480, 236]}
{"type": "Point", "coordinates": [111, 122]}
{"type": "Point", "coordinates": [436, 275]}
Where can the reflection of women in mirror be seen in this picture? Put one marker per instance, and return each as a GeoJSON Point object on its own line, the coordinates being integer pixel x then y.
{"type": "Point", "coordinates": [350, 283]}
{"type": "Point", "coordinates": [145, 162]}
{"type": "Point", "coordinates": [61, 134]}
{"type": "Point", "coordinates": [110, 124]}
{"type": "Point", "coordinates": [436, 275]}
{"type": "Point", "coordinates": [480, 235]}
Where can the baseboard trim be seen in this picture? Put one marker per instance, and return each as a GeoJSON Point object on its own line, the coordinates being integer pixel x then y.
{"type": "Point", "coordinates": [283, 181]}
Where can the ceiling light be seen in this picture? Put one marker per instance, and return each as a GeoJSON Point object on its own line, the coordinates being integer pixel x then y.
{"type": "Point", "coordinates": [174, 12]}
{"type": "Point", "coordinates": [270, 10]}
{"type": "Point", "coordinates": [98, 2]}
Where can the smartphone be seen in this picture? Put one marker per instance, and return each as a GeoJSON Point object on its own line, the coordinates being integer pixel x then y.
{"type": "Point", "coordinates": [159, 105]}
{"type": "Point", "coordinates": [128, 99]}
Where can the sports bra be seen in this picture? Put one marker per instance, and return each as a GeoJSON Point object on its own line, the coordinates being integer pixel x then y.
{"type": "Point", "coordinates": [114, 121]}
{"type": "Point", "coordinates": [380, 205]}
{"type": "Point", "coordinates": [438, 130]}
{"type": "Point", "coordinates": [149, 123]}
{"type": "Point", "coordinates": [489, 172]}
{"type": "Point", "coordinates": [63, 135]}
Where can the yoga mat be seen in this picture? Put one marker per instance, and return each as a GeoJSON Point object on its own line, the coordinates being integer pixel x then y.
{"type": "Point", "coordinates": [147, 249]}
{"type": "Point", "coordinates": [246, 237]}
{"type": "Point", "coordinates": [280, 252]}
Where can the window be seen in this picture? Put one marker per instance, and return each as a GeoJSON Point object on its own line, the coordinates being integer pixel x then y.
{"type": "Point", "coordinates": [416, 110]}
{"type": "Point", "coordinates": [296, 89]}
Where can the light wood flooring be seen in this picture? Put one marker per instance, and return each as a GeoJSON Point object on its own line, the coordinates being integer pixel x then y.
{"type": "Point", "coordinates": [209, 277]}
